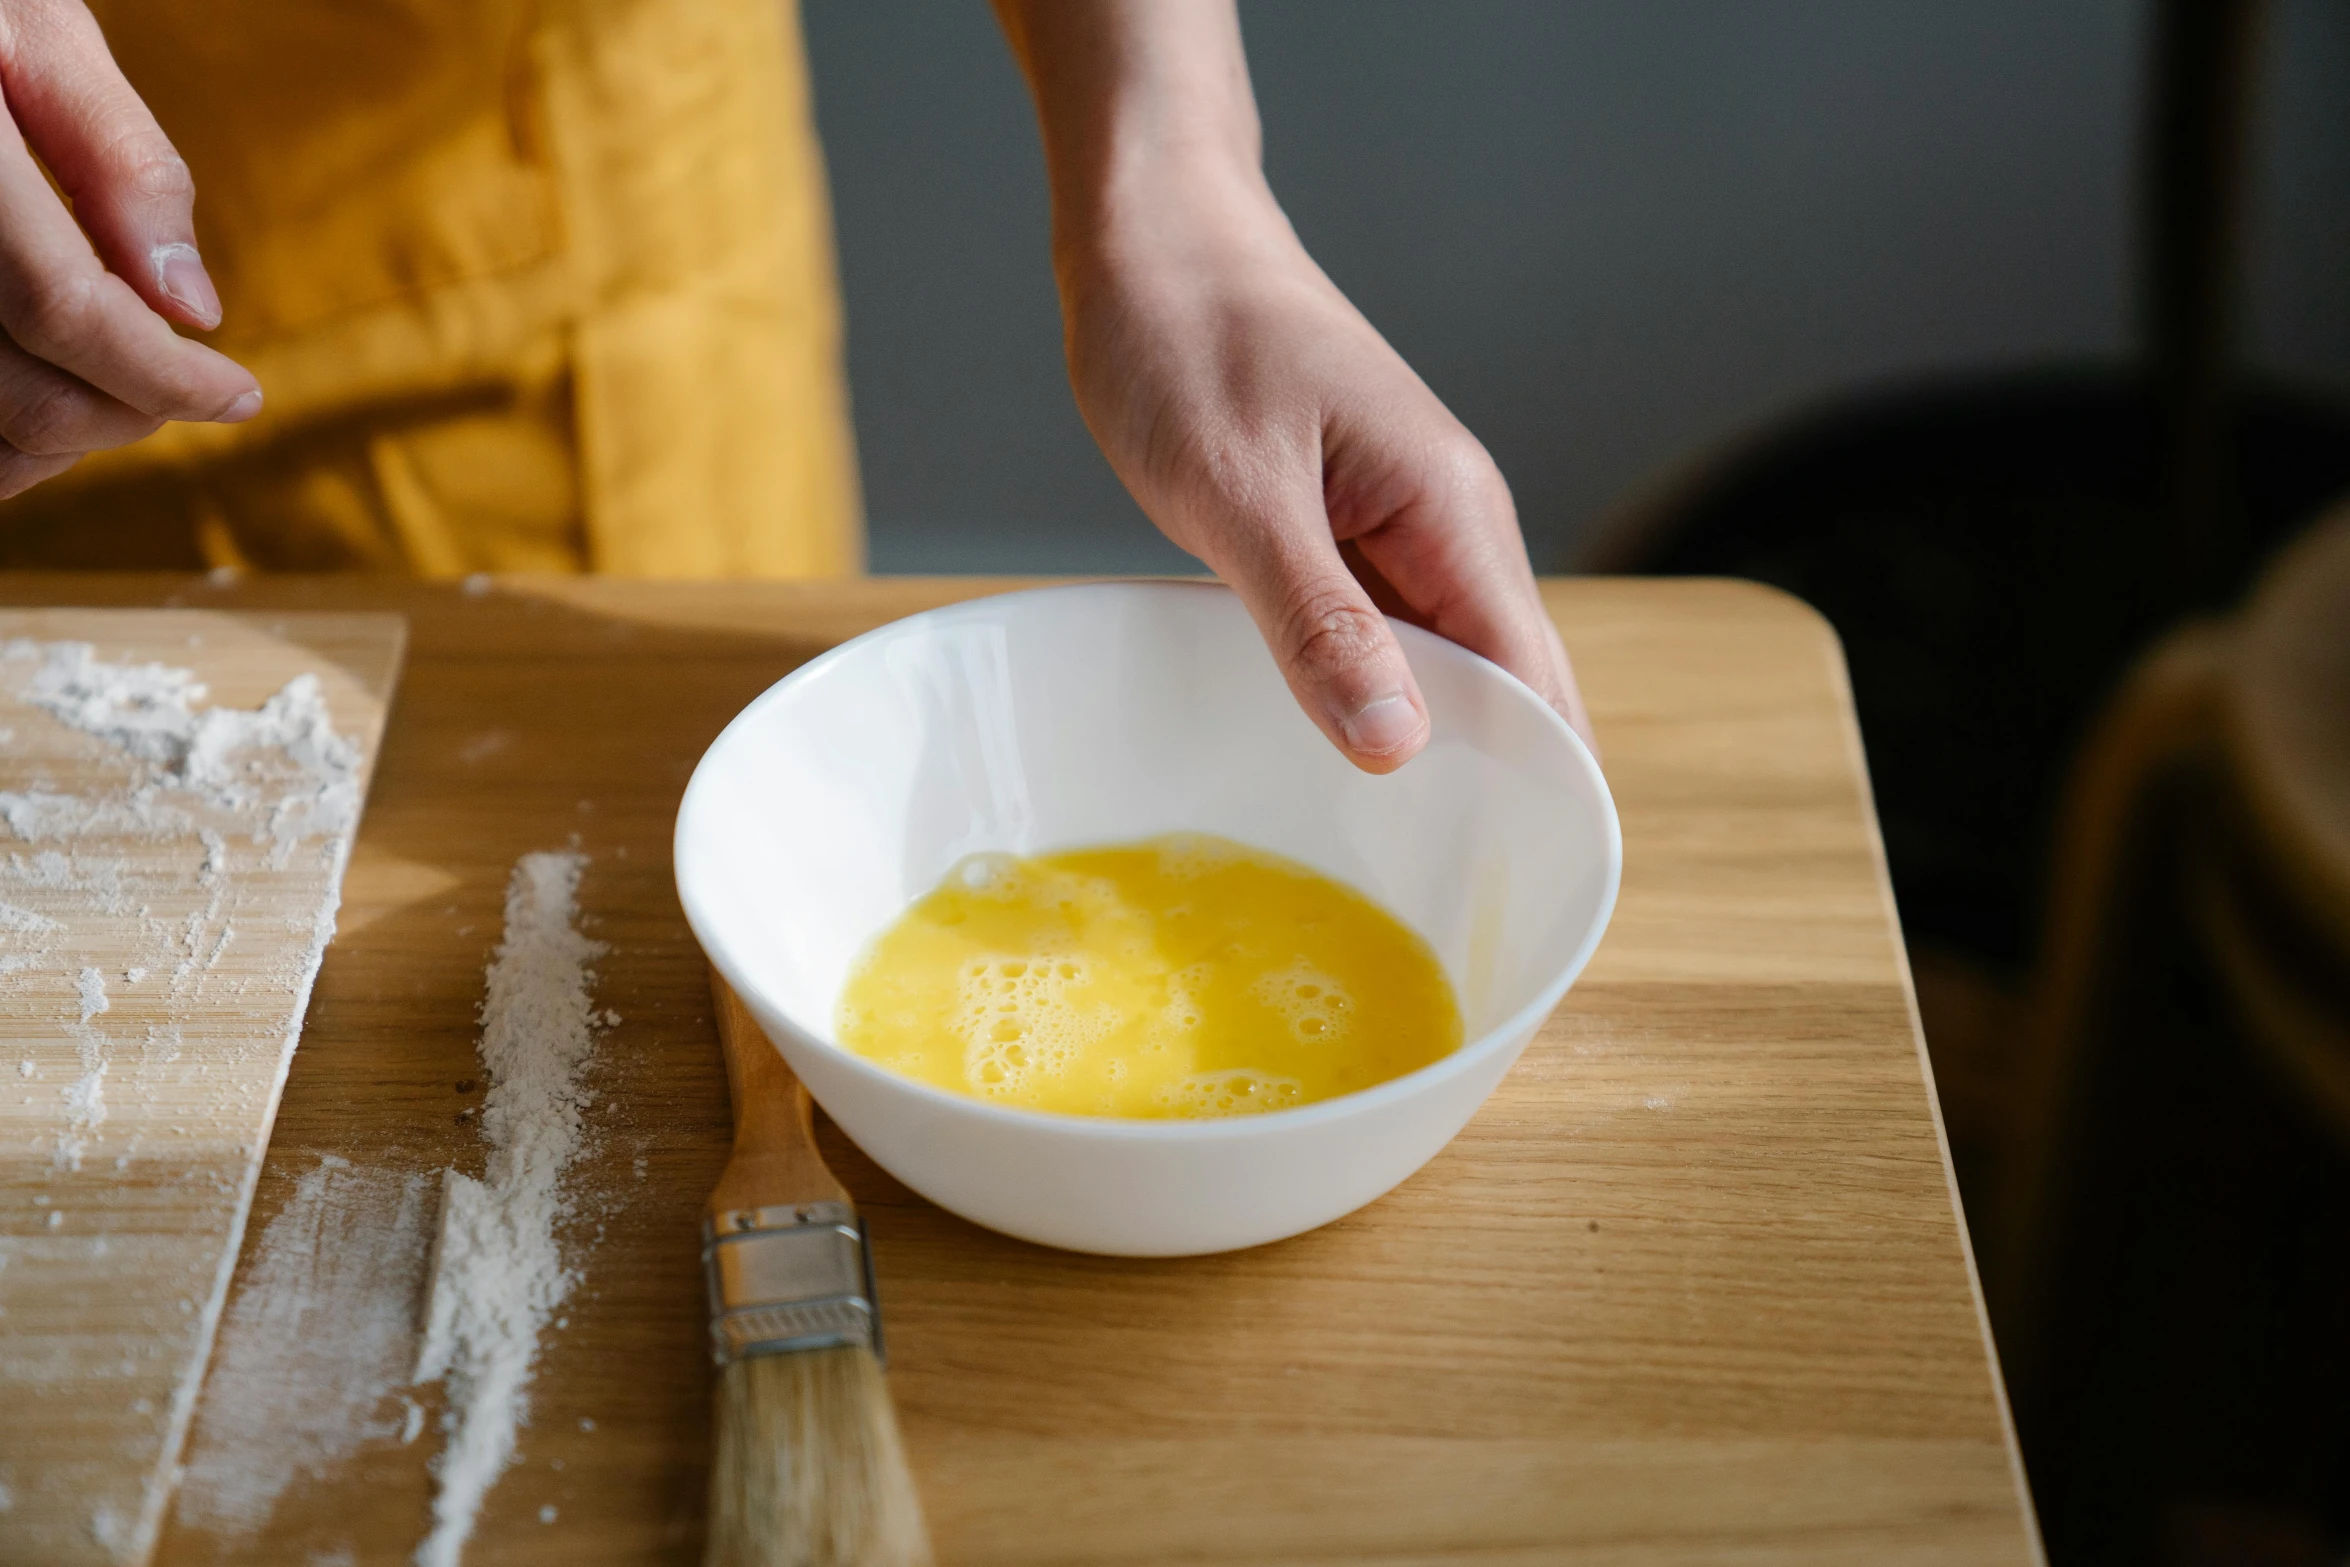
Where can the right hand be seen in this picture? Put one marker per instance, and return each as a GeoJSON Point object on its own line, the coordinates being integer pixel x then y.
{"type": "Point", "coordinates": [88, 297]}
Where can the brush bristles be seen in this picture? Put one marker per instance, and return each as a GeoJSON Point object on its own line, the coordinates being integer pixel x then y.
{"type": "Point", "coordinates": [809, 1470]}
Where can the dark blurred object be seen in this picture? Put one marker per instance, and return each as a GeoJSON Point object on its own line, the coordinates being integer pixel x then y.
{"type": "Point", "coordinates": [2199, 116]}
{"type": "Point", "coordinates": [2175, 1279]}
{"type": "Point", "coordinates": [1992, 553]}
{"type": "Point", "coordinates": [1977, 546]}
{"type": "Point", "coordinates": [2148, 1091]}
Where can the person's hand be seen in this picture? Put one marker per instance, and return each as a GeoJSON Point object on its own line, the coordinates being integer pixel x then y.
{"type": "Point", "coordinates": [1267, 429]}
{"type": "Point", "coordinates": [87, 297]}
{"type": "Point", "coordinates": [1252, 412]}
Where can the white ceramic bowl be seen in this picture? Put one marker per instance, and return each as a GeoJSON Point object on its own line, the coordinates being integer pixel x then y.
{"type": "Point", "coordinates": [1095, 714]}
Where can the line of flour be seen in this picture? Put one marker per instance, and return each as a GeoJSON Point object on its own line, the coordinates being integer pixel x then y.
{"type": "Point", "coordinates": [498, 1273]}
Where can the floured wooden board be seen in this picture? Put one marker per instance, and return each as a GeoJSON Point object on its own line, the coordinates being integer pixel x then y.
{"type": "Point", "coordinates": [178, 795]}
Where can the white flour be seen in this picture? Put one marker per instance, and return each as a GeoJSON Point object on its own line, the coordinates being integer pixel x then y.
{"type": "Point", "coordinates": [90, 990]}
{"type": "Point", "coordinates": [281, 761]}
{"type": "Point", "coordinates": [24, 922]}
{"type": "Point", "coordinates": [314, 1352]}
{"type": "Point", "coordinates": [498, 1273]}
{"type": "Point", "coordinates": [85, 1096]}
{"type": "Point", "coordinates": [278, 773]}
{"type": "Point", "coordinates": [149, 710]}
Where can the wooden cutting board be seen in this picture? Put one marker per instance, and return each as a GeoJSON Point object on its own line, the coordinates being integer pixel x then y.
{"type": "Point", "coordinates": [1690, 1288]}
{"type": "Point", "coordinates": [162, 917]}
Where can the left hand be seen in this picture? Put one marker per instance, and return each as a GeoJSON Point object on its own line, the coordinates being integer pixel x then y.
{"type": "Point", "coordinates": [1266, 428]}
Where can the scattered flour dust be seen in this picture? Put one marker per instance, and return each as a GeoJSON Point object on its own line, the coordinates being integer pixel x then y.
{"type": "Point", "coordinates": [279, 771]}
{"type": "Point", "coordinates": [170, 794]}
{"type": "Point", "coordinates": [314, 1353]}
{"type": "Point", "coordinates": [283, 756]}
{"type": "Point", "coordinates": [498, 1274]}
{"type": "Point", "coordinates": [85, 1096]}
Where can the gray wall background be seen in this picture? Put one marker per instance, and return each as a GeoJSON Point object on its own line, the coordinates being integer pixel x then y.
{"type": "Point", "coordinates": [1608, 235]}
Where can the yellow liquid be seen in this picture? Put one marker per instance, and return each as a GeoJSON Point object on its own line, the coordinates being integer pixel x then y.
{"type": "Point", "coordinates": [1181, 976]}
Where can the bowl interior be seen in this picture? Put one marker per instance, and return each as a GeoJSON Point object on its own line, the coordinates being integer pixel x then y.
{"type": "Point", "coordinates": [1073, 716]}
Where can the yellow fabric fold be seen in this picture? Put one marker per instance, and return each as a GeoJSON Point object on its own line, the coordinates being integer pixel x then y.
{"type": "Point", "coordinates": [527, 286]}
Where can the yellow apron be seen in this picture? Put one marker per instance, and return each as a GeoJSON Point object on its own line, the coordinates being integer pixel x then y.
{"type": "Point", "coordinates": [528, 284]}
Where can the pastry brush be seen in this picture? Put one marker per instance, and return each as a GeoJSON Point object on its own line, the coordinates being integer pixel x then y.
{"type": "Point", "coordinates": [809, 1471]}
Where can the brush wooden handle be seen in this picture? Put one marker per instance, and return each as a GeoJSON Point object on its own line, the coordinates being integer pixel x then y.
{"type": "Point", "coordinates": [775, 1162]}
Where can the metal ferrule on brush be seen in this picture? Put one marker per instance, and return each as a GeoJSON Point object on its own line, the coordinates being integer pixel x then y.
{"type": "Point", "coordinates": [786, 1279]}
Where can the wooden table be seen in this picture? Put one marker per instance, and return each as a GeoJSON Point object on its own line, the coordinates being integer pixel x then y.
{"type": "Point", "coordinates": [1692, 1287]}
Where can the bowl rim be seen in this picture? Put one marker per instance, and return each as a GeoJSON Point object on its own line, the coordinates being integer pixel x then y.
{"type": "Point", "coordinates": [1516, 1028]}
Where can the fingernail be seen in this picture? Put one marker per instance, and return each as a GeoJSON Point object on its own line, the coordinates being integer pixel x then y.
{"type": "Point", "coordinates": [1382, 724]}
{"type": "Point", "coordinates": [245, 407]}
{"type": "Point", "coordinates": [180, 273]}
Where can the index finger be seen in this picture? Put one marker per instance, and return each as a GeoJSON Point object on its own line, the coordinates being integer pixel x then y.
{"type": "Point", "coordinates": [1455, 562]}
{"type": "Point", "coordinates": [58, 303]}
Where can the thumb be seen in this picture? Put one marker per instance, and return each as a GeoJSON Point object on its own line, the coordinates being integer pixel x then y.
{"type": "Point", "coordinates": [1337, 651]}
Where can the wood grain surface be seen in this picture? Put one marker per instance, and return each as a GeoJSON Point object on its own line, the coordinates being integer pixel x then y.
{"type": "Point", "coordinates": [775, 1162]}
{"type": "Point", "coordinates": [1691, 1288]}
{"type": "Point", "coordinates": [151, 983]}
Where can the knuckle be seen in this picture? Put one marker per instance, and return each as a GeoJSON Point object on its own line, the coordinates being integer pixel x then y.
{"type": "Point", "coordinates": [1466, 476]}
{"type": "Point", "coordinates": [47, 419]}
{"type": "Point", "coordinates": [1329, 630]}
{"type": "Point", "coordinates": [181, 393]}
{"type": "Point", "coordinates": [58, 315]}
{"type": "Point", "coordinates": [145, 163]}
{"type": "Point", "coordinates": [20, 471]}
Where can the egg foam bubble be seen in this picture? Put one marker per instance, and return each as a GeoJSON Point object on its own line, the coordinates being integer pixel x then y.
{"type": "Point", "coordinates": [1185, 976]}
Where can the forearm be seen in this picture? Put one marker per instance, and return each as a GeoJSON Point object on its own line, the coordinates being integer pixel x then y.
{"type": "Point", "coordinates": [1146, 114]}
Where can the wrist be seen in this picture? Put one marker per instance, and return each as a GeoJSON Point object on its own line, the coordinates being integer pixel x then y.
{"type": "Point", "coordinates": [1160, 206]}
{"type": "Point", "coordinates": [1150, 129]}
